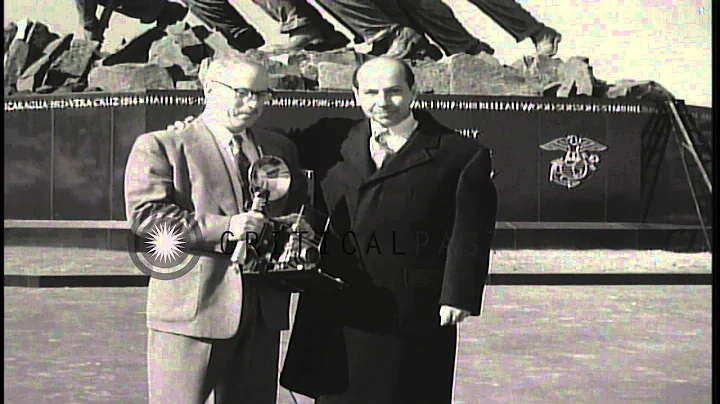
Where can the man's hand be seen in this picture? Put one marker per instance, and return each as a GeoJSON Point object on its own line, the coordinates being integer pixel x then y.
{"type": "Point", "coordinates": [451, 315]}
{"type": "Point", "coordinates": [180, 125]}
{"type": "Point", "coordinates": [246, 222]}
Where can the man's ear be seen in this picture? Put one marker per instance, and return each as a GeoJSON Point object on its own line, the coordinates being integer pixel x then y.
{"type": "Point", "coordinates": [413, 91]}
{"type": "Point", "coordinates": [356, 93]}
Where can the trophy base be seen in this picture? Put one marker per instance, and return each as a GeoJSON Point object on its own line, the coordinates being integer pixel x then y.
{"type": "Point", "coordinates": [302, 280]}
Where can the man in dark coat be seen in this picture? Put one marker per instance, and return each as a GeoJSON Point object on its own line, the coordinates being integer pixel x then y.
{"type": "Point", "coordinates": [413, 210]}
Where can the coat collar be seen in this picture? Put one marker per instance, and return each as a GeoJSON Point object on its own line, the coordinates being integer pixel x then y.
{"type": "Point", "coordinates": [416, 152]}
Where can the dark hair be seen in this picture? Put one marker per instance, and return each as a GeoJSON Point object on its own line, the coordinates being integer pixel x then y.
{"type": "Point", "coordinates": [409, 75]}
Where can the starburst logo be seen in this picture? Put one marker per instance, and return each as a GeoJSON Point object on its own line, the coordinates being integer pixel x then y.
{"type": "Point", "coordinates": [158, 244]}
{"type": "Point", "coordinates": [165, 242]}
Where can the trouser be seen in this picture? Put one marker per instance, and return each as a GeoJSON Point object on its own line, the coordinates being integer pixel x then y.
{"type": "Point", "coordinates": [146, 11]}
{"type": "Point", "coordinates": [376, 19]}
{"type": "Point", "coordinates": [242, 369]}
{"type": "Point", "coordinates": [383, 369]}
{"type": "Point", "coordinates": [510, 16]}
{"type": "Point", "coordinates": [291, 14]}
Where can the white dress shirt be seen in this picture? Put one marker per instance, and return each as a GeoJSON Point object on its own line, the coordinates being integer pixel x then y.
{"type": "Point", "coordinates": [226, 140]}
{"type": "Point", "coordinates": [394, 137]}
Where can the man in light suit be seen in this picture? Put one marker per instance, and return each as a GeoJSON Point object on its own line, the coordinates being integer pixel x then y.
{"type": "Point", "coordinates": [213, 332]}
{"type": "Point", "coordinates": [413, 208]}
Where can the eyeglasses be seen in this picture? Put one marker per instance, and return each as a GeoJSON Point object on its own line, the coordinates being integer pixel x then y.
{"type": "Point", "coordinates": [245, 94]}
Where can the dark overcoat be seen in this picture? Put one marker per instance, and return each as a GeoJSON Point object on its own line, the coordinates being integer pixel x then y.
{"type": "Point", "coordinates": [409, 237]}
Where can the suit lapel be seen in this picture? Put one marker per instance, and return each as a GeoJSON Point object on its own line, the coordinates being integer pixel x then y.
{"type": "Point", "coordinates": [222, 179]}
{"type": "Point", "coordinates": [264, 143]}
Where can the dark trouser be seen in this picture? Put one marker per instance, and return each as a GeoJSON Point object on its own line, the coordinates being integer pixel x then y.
{"type": "Point", "coordinates": [383, 369]}
{"type": "Point", "coordinates": [375, 19]}
{"type": "Point", "coordinates": [510, 16]}
{"type": "Point", "coordinates": [371, 21]}
{"type": "Point", "coordinates": [242, 369]}
{"type": "Point", "coordinates": [146, 11]}
{"type": "Point", "coordinates": [291, 14]}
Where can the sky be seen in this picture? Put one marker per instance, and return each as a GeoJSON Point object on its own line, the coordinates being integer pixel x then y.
{"type": "Point", "coordinates": [668, 41]}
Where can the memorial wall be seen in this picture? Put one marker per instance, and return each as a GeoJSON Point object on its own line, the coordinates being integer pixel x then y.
{"type": "Point", "coordinates": [569, 160]}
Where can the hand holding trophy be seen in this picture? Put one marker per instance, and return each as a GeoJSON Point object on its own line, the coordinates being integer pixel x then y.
{"type": "Point", "coordinates": [287, 248]}
{"type": "Point", "coordinates": [269, 179]}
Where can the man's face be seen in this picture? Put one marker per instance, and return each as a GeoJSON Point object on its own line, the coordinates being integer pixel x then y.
{"type": "Point", "coordinates": [383, 92]}
{"type": "Point", "coordinates": [235, 111]}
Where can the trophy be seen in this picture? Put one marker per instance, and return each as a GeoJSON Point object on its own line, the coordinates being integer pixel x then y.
{"type": "Point", "coordinates": [287, 250]}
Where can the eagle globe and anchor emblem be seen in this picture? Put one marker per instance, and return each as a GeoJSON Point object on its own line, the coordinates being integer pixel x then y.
{"type": "Point", "coordinates": [579, 163]}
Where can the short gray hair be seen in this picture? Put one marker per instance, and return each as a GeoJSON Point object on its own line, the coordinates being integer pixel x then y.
{"type": "Point", "coordinates": [209, 67]}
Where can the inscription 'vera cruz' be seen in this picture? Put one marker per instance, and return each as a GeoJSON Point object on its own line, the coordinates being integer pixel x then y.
{"type": "Point", "coordinates": [579, 163]}
{"type": "Point", "coordinates": [297, 101]}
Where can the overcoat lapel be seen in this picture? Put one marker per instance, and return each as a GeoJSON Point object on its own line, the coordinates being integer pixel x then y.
{"type": "Point", "coordinates": [358, 173]}
{"type": "Point", "coordinates": [356, 150]}
{"type": "Point", "coordinates": [222, 180]}
{"type": "Point", "coordinates": [353, 170]}
{"type": "Point", "coordinates": [416, 152]}
{"type": "Point", "coordinates": [266, 145]}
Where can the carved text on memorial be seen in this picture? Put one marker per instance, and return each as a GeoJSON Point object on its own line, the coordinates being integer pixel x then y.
{"type": "Point", "coordinates": [106, 100]}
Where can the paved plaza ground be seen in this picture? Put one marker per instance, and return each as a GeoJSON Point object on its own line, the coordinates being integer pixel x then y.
{"type": "Point", "coordinates": [532, 344]}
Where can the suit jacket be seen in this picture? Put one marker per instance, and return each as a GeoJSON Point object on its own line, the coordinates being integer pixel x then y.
{"type": "Point", "coordinates": [408, 237]}
{"type": "Point", "coordinates": [183, 173]}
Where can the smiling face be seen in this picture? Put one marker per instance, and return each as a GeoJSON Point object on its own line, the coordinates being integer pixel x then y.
{"type": "Point", "coordinates": [383, 92]}
{"type": "Point", "coordinates": [236, 113]}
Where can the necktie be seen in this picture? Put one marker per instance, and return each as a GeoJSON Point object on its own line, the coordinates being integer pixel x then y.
{"type": "Point", "coordinates": [243, 165]}
{"type": "Point", "coordinates": [241, 160]}
{"type": "Point", "coordinates": [383, 151]}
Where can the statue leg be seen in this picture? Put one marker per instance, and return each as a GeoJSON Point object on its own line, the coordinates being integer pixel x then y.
{"type": "Point", "coordinates": [386, 25]}
{"type": "Point", "coordinates": [293, 14]}
{"type": "Point", "coordinates": [87, 13]}
{"type": "Point", "coordinates": [147, 11]}
{"type": "Point", "coordinates": [520, 24]}
{"type": "Point", "coordinates": [368, 20]}
{"type": "Point", "coordinates": [510, 16]}
{"type": "Point", "coordinates": [439, 22]}
{"type": "Point", "coordinates": [223, 17]}
{"type": "Point", "coordinates": [304, 24]}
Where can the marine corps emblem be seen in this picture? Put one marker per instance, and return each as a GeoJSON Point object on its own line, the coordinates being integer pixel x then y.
{"type": "Point", "coordinates": [578, 164]}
